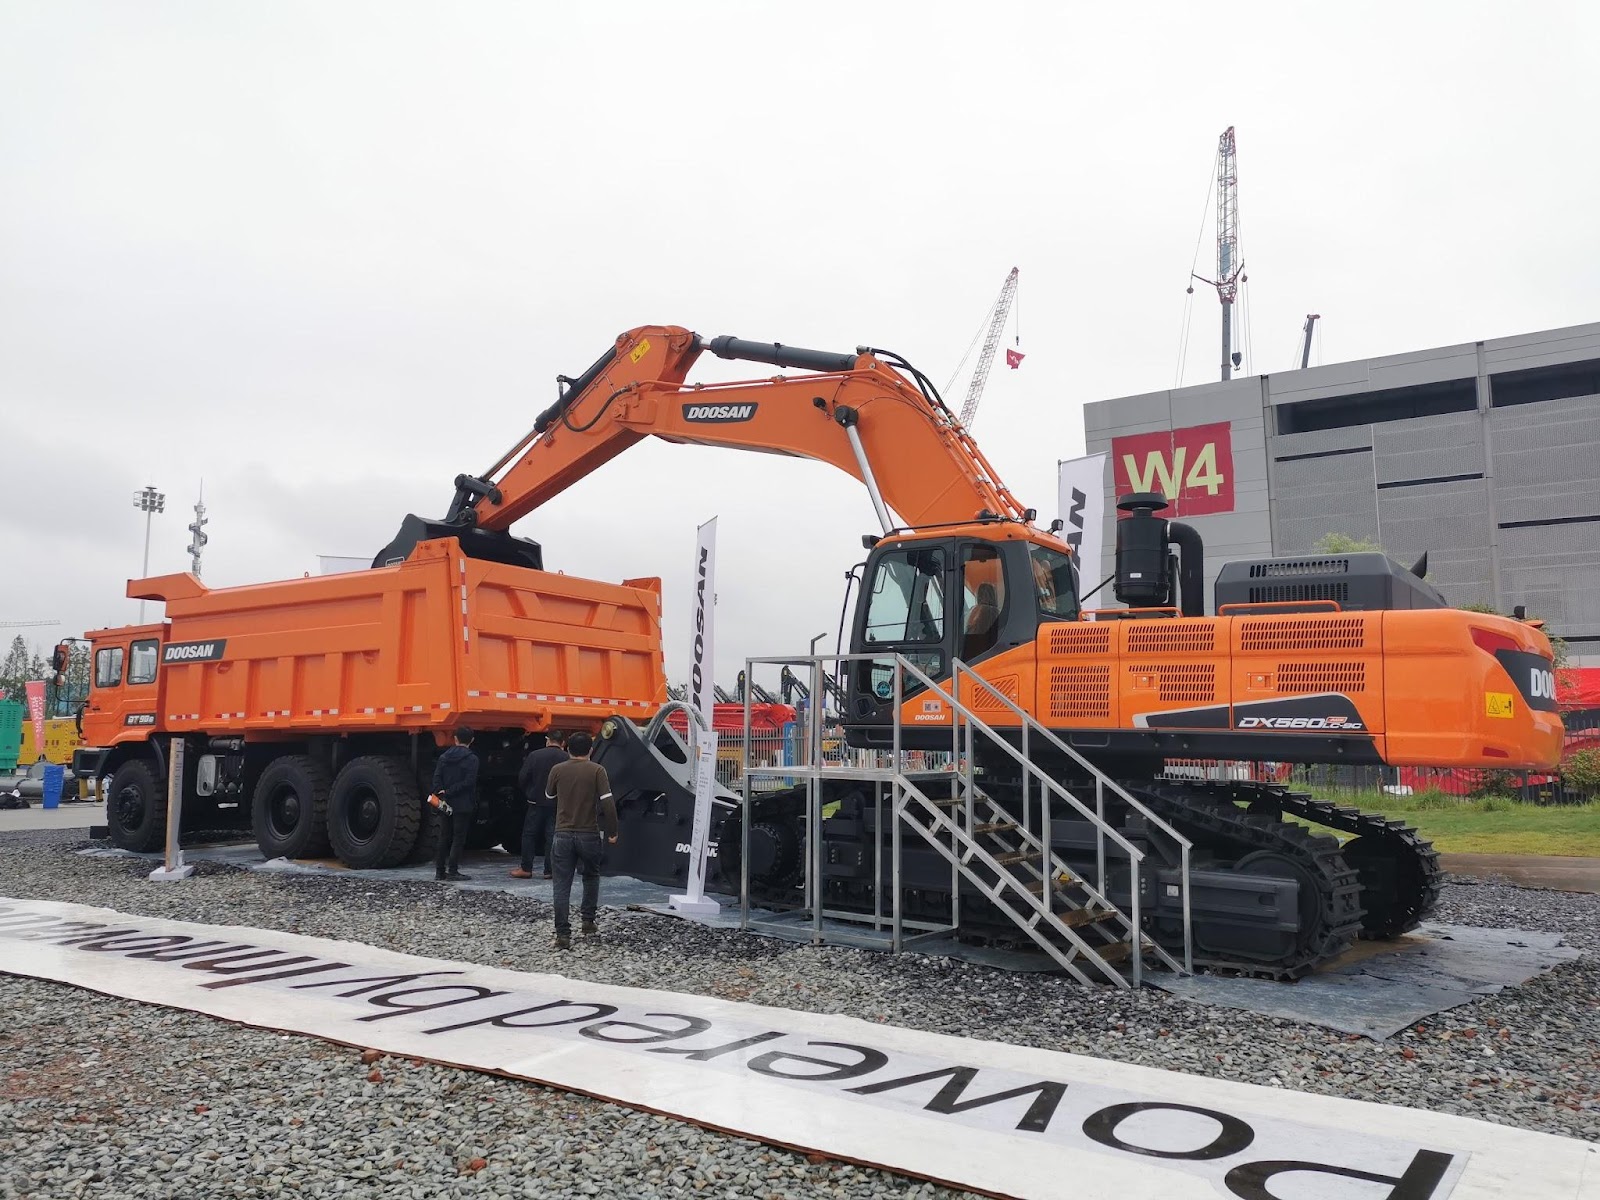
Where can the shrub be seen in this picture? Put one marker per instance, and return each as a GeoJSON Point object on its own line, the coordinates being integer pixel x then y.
{"type": "Point", "coordinates": [1580, 770]}
{"type": "Point", "coordinates": [1497, 783]}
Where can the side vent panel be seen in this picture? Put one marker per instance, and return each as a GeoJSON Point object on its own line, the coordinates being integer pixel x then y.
{"type": "Point", "coordinates": [1311, 679]}
{"type": "Point", "coordinates": [1193, 683]}
{"type": "Point", "coordinates": [1080, 693]}
{"type": "Point", "coordinates": [1083, 637]}
{"type": "Point", "coordinates": [1278, 593]}
{"type": "Point", "coordinates": [1167, 637]}
{"type": "Point", "coordinates": [1280, 634]}
{"type": "Point", "coordinates": [982, 700]}
{"type": "Point", "coordinates": [1278, 568]}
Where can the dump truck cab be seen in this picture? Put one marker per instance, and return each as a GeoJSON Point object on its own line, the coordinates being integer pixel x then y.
{"type": "Point", "coordinates": [124, 689]}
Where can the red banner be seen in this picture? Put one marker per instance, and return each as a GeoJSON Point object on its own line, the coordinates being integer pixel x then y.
{"type": "Point", "coordinates": [1191, 467]}
{"type": "Point", "coordinates": [35, 689]}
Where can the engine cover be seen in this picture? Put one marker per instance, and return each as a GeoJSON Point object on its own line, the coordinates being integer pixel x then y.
{"type": "Point", "coordinates": [1361, 581]}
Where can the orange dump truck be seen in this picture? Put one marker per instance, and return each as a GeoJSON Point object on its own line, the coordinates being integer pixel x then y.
{"type": "Point", "coordinates": [312, 709]}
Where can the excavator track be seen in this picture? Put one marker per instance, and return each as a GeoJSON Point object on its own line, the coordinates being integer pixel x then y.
{"type": "Point", "coordinates": [1399, 868]}
{"type": "Point", "coordinates": [1331, 910]}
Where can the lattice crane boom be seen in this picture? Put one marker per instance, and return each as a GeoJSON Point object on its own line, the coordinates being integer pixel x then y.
{"type": "Point", "coordinates": [991, 343]}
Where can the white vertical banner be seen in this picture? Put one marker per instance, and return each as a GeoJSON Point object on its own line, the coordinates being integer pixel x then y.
{"type": "Point", "coordinates": [705, 781]}
{"type": "Point", "coordinates": [1083, 513]}
{"type": "Point", "coordinates": [703, 695]}
{"type": "Point", "coordinates": [702, 650]}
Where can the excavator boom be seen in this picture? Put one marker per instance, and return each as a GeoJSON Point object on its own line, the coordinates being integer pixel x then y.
{"type": "Point", "coordinates": [884, 426]}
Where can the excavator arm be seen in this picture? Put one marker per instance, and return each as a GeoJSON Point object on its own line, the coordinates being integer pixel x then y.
{"type": "Point", "coordinates": [884, 426]}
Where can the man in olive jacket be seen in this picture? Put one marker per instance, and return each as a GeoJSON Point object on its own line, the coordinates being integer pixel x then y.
{"type": "Point", "coordinates": [584, 809]}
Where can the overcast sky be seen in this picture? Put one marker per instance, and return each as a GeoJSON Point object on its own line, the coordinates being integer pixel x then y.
{"type": "Point", "coordinates": [327, 255]}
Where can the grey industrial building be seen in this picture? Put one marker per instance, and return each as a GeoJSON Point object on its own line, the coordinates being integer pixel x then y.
{"type": "Point", "coordinates": [1484, 455]}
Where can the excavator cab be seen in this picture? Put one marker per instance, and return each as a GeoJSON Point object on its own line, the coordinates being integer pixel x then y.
{"type": "Point", "coordinates": [937, 597]}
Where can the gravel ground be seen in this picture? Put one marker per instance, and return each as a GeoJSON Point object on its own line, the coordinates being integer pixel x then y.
{"type": "Point", "coordinates": [1528, 1057]}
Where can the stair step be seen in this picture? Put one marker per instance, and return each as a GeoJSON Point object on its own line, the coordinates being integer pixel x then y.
{"type": "Point", "coordinates": [949, 802]}
{"type": "Point", "coordinates": [1085, 916]}
{"type": "Point", "coordinates": [1016, 856]}
{"type": "Point", "coordinates": [1037, 885]}
{"type": "Point", "coordinates": [1116, 952]}
{"type": "Point", "coordinates": [994, 827]}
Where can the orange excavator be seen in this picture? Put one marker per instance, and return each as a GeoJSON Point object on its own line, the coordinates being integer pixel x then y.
{"type": "Point", "coordinates": [1346, 659]}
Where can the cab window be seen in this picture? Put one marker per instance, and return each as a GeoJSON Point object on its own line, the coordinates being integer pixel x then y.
{"type": "Point", "coordinates": [142, 658]}
{"type": "Point", "coordinates": [1053, 584]}
{"type": "Point", "coordinates": [983, 588]}
{"type": "Point", "coordinates": [108, 667]}
{"type": "Point", "coordinates": [906, 604]}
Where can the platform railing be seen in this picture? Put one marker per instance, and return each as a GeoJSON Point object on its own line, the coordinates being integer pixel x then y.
{"type": "Point", "coordinates": [904, 778]}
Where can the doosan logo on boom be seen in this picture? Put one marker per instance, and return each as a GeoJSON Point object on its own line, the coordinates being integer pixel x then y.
{"type": "Point", "coordinates": [718, 413]}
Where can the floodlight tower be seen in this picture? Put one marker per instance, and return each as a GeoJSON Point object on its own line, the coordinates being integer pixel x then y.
{"type": "Point", "coordinates": [150, 502]}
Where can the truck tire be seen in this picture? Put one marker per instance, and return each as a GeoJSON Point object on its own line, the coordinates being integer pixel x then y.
{"type": "Point", "coordinates": [374, 812]}
{"type": "Point", "coordinates": [428, 829]}
{"type": "Point", "coordinates": [289, 807]}
{"type": "Point", "coordinates": [136, 807]}
{"type": "Point", "coordinates": [427, 843]}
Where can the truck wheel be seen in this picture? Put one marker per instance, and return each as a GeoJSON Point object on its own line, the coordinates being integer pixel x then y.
{"type": "Point", "coordinates": [374, 812]}
{"type": "Point", "coordinates": [136, 807]}
{"type": "Point", "coordinates": [290, 807]}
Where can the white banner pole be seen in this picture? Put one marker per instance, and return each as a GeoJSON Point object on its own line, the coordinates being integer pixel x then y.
{"type": "Point", "coordinates": [1083, 510]}
{"type": "Point", "coordinates": [703, 695]}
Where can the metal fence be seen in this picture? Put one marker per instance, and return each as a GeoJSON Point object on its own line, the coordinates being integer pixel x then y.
{"type": "Point", "coordinates": [1367, 785]}
{"type": "Point", "coordinates": [790, 747]}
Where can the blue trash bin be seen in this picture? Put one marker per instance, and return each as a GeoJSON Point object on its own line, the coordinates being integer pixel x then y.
{"type": "Point", "coordinates": [55, 776]}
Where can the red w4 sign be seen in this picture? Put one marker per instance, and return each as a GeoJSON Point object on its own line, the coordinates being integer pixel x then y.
{"type": "Point", "coordinates": [1192, 467]}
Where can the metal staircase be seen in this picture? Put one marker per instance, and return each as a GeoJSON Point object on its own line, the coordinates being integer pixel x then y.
{"type": "Point", "coordinates": [1001, 854]}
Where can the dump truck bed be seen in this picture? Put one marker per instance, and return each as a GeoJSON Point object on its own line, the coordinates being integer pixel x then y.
{"type": "Point", "coordinates": [436, 641]}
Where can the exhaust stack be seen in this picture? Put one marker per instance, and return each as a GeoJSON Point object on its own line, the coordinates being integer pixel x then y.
{"type": "Point", "coordinates": [1145, 572]}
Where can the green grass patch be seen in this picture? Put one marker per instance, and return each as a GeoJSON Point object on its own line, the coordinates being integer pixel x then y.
{"type": "Point", "coordinates": [1491, 825]}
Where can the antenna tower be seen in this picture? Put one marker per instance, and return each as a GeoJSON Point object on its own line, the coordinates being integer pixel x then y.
{"type": "Point", "coordinates": [1230, 266]}
{"type": "Point", "coordinates": [197, 527]}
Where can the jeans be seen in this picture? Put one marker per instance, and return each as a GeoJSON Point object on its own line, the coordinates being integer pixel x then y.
{"type": "Point", "coordinates": [570, 850]}
{"type": "Point", "coordinates": [453, 830]}
{"type": "Point", "coordinates": [538, 828]}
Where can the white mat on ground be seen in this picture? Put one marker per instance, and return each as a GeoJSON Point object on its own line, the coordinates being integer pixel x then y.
{"type": "Point", "coordinates": [1001, 1119]}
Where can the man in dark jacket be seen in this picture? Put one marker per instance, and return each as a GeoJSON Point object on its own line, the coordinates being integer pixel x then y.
{"type": "Point", "coordinates": [540, 824]}
{"type": "Point", "coordinates": [455, 781]}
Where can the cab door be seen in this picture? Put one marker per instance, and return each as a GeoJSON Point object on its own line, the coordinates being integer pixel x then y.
{"type": "Point", "coordinates": [901, 610]}
{"type": "Point", "coordinates": [123, 695]}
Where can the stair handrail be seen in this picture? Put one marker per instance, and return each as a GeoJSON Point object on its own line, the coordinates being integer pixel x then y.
{"type": "Point", "coordinates": [1136, 854]}
{"type": "Point", "coordinates": [1185, 845]}
{"type": "Point", "coordinates": [1039, 904]}
{"type": "Point", "coordinates": [958, 668]}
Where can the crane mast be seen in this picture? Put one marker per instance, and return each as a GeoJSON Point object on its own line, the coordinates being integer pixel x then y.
{"type": "Point", "coordinates": [991, 343]}
{"type": "Point", "coordinates": [1305, 349]}
{"type": "Point", "coordinates": [1229, 263]}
